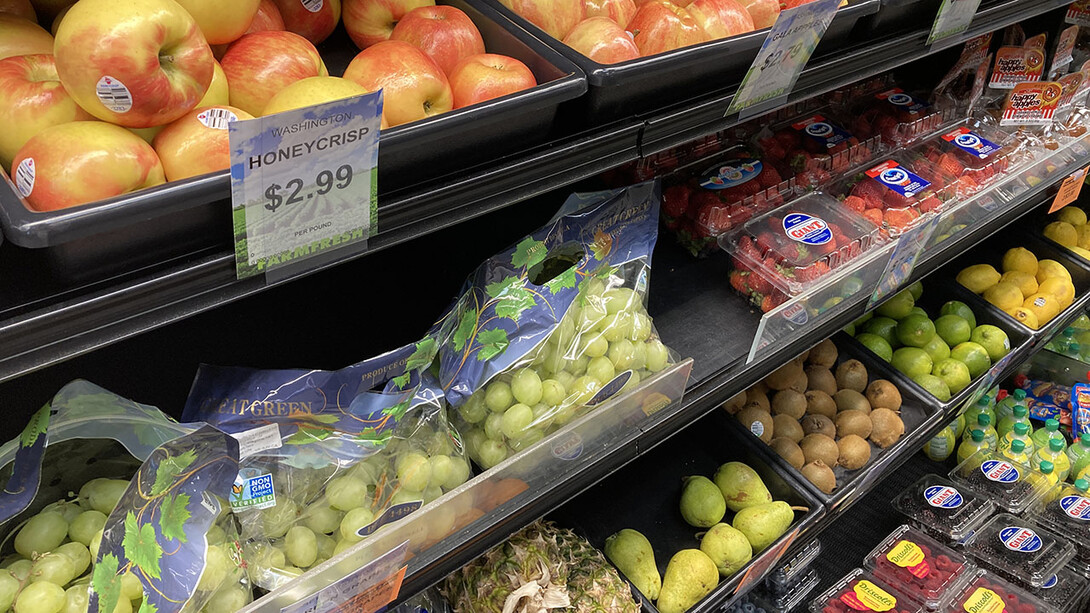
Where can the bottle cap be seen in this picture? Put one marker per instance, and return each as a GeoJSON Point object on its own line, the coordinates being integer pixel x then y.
{"type": "Point", "coordinates": [1018, 446]}
{"type": "Point", "coordinates": [977, 435]}
{"type": "Point", "coordinates": [1085, 439]}
{"type": "Point", "coordinates": [1069, 332]}
{"type": "Point", "coordinates": [1046, 467]}
{"type": "Point", "coordinates": [984, 400]}
{"type": "Point", "coordinates": [1082, 485]}
{"type": "Point", "coordinates": [1020, 410]}
{"type": "Point", "coordinates": [1074, 347]}
{"type": "Point", "coordinates": [1052, 425]}
{"type": "Point", "coordinates": [986, 420]}
{"type": "Point", "coordinates": [1020, 394]}
{"type": "Point", "coordinates": [1021, 429]}
{"type": "Point", "coordinates": [1056, 444]}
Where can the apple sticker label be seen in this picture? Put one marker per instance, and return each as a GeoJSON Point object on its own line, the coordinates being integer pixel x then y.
{"type": "Point", "coordinates": [24, 177]}
{"type": "Point", "coordinates": [217, 119]}
{"type": "Point", "coordinates": [113, 94]}
{"type": "Point", "coordinates": [312, 5]}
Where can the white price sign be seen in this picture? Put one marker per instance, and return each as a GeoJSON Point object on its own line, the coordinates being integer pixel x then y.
{"type": "Point", "coordinates": [953, 18]}
{"type": "Point", "coordinates": [304, 182]}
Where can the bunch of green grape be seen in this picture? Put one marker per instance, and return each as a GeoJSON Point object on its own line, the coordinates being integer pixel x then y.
{"type": "Point", "coordinates": [604, 333]}
{"type": "Point", "coordinates": [50, 571]}
{"type": "Point", "coordinates": [309, 525]}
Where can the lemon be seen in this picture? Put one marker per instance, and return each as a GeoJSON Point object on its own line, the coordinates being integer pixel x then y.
{"type": "Point", "coordinates": [1051, 268]}
{"type": "Point", "coordinates": [1020, 258]}
{"type": "Point", "coordinates": [978, 277]}
{"type": "Point", "coordinates": [1062, 289]}
{"type": "Point", "coordinates": [1006, 296]}
{"type": "Point", "coordinates": [1044, 306]}
{"type": "Point", "coordinates": [1072, 215]}
{"type": "Point", "coordinates": [1084, 235]}
{"type": "Point", "coordinates": [1081, 251]}
{"type": "Point", "coordinates": [1063, 233]}
{"type": "Point", "coordinates": [1026, 282]}
{"type": "Point", "coordinates": [1026, 316]}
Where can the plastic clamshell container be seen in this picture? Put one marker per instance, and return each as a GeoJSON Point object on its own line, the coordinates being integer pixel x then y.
{"type": "Point", "coordinates": [797, 246]}
{"type": "Point", "coordinates": [1065, 510]}
{"type": "Point", "coordinates": [1064, 592]}
{"type": "Point", "coordinates": [896, 116]}
{"type": "Point", "coordinates": [921, 567]}
{"type": "Point", "coordinates": [1012, 486]}
{"type": "Point", "coordinates": [861, 591]}
{"type": "Point", "coordinates": [986, 591]}
{"type": "Point", "coordinates": [968, 156]}
{"type": "Point", "coordinates": [785, 576]}
{"type": "Point", "coordinates": [1019, 549]}
{"type": "Point", "coordinates": [795, 594]}
{"type": "Point", "coordinates": [947, 511]}
{"type": "Point", "coordinates": [815, 147]}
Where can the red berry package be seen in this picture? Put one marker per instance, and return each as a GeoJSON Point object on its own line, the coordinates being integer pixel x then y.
{"type": "Point", "coordinates": [861, 591]}
{"type": "Point", "coordinates": [987, 592]}
{"type": "Point", "coordinates": [815, 148]}
{"type": "Point", "coordinates": [895, 116]}
{"type": "Point", "coordinates": [921, 567]}
{"type": "Point", "coordinates": [968, 157]}
{"type": "Point", "coordinates": [894, 194]}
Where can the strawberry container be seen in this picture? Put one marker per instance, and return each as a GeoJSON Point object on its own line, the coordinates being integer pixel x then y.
{"type": "Point", "coordinates": [861, 591]}
{"type": "Point", "coordinates": [941, 508]}
{"type": "Point", "coordinates": [815, 148]}
{"type": "Point", "coordinates": [985, 591]}
{"type": "Point", "coordinates": [968, 156]}
{"type": "Point", "coordinates": [787, 251]}
{"type": "Point", "coordinates": [924, 569]}
{"type": "Point", "coordinates": [1020, 550]}
{"type": "Point", "coordinates": [894, 115]}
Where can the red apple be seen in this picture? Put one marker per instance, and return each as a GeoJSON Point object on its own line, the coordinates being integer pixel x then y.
{"type": "Point", "coordinates": [413, 86]}
{"type": "Point", "coordinates": [197, 143]}
{"type": "Point", "coordinates": [19, 8]}
{"type": "Point", "coordinates": [764, 12]}
{"type": "Point", "coordinates": [19, 36]}
{"type": "Point", "coordinates": [555, 17]}
{"type": "Point", "coordinates": [138, 64]}
{"type": "Point", "coordinates": [444, 32]}
{"type": "Point", "coordinates": [660, 26]}
{"type": "Point", "coordinates": [373, 21]}
{"type": "Point", "coordinates": [602, 40]}
{"type": "Point", "coordinates": [260, 64]}
{"type": "Point", "coordinates": [314, 20]}
{"type": "Point", "coordinates": [221, 22]}
{"type": "Point", "coordinates": [486, 76]}
{"type": "Point", "coordinates": [721, 18]}
{"type": "Point", "coordinates": [83, 161]}
{"type": "Point", "coordinates": [266, 19]}
{"type": "Point", "coordinates": [620, 11]}
{"type": "Point", "coordinates": [31, 100]}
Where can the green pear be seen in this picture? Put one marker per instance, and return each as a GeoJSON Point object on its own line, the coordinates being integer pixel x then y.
{"type": "Point", "coordinates": [702, 503]}
{"type": "Point", "coordinates": [727, 547]}
{"type": "Point", "coordinates": [764, 523]}
{"type": "Point", "coordinates": [690, 576]}
{"type": "Point", "coordinates": [741, 486]}
{"type": "Point", "coordinates": [631, 553]}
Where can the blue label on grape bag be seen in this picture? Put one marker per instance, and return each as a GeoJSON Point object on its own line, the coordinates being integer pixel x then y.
{"type": "Point", "coordinates": [807, 229]}
{"type": "Point", "coordinates": [568, 447]}
{"type": "Point", "coordinates": [1050, 582]}
{"type": "Point", "coordinates": [1017, 538]}
{"type": "Point", "coordinates": [891, 175]}
{"type": "Point", "coordinates": [253, 489]}
{"type": "Point", "coordinates": [1076, 507]}
{"type": "Point", "coordinates": [610, 389]}
{"type": "Point", "coordinates": [391, 514]}
{"type": "Point", "coordinates": [730, 173]}
{"type": "Point", "coordinates": [970, 142]}
{"type": "Point", "coordinates": [943, 497]}
{"type": "Point", "coordinates": [999, 471]}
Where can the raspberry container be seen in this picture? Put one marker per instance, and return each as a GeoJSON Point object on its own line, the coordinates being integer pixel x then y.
{"type": "Point", "coordinates": [787, 251]}
{"type": "Point", "coordinates": [815, 147]}
{"type": "Point", "coordinates": [1065, 510]}
{"type": "Point", "coordinates": [1012, 486]}
{"type": "Point", "coordinates": [921, 567]}
{"type": "Point", "coordinates": [967, 156]}
{"type": "Point", "coordinates": [861, 591]}
{"type": "Point", "coordinates": [948, 512]}
{"type": "Point", "coordinates": [985, 591]}
{"type": "Point", "coordinates": [1020, 549]}
{"type": "Point", "coordinates": [894, 115]}
{"type": "Point", "coordinates": [782, 579]}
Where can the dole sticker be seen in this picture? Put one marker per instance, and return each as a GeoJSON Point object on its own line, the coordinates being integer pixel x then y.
{"type": "Point", "coordinates": [893, 176]}
{"type": "Point", "coordinates": [999, 471]}
{"type": "Point", "coordinates": [730, 173]}
{"type": "Point", "coordinates": [943, 497]}
{"type": "Point", "coordinates": [970, 142]}
{"type": "Point", "coordinates": [807, 229]}
{"type": "Point", "coordinates": [1017, 538]}
{"type": "Point", "coordinates": [1076, 507]}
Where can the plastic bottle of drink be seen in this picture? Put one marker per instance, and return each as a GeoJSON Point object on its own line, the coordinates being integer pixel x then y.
{"type": "Point", "coordinates": [1047, 469]}
{"type": "Point", "coordinates": [1020, 432]}
{"type": "Point", "coordinates": [1079, 453]}
{"type": "Point", "coordinates": [942, 445]}
{"type": "Point", "coordinates": [1049, 480]}
{"type": "Point", "coordinates": [984, 423]}
{"type": "Point", "coordinates": [983, 405]}
{"type": "Point", "coordinates": [972, 445]}
{"type": "Point", "coordinates": [1017, 452]}
{"type": "Point", "coordinates": [958, 427]}
{"type": "Point", "coordinates": [1005, 408]}
{"type": "Point", "coordinates": [1051, 430]}
{"type": "Point", "coordinates": [1062, 343]}
{"type": "Point", "coordinates": [1019, 416]}
{"type": "Point", "coordinates": [1054, 453]}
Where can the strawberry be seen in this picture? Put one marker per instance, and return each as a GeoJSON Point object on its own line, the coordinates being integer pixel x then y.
{"type": "Point", "coordinates": [789, 139]}
{"type": "Point", "coordinates": [855, 203]}
{"type": "Point", "coordinates": [930, 203]}
{"type": "Point", "coordinates": [748, 248]}
{"type": "Point", "coordinates": [713, 218]}
{"type": "Point", "coordinates": [760, 284]}
{"type": "Point", "coordinates": [675, 200]}
{"type": "Point", "coordinates": [739, 214]}
{"type": "Point", "coordinates": [769, 177]}
{"type": "Point", "coordinates": [894, 200]}
{"type": "Point", "coordinates": [738, 281]}
{"type": "Point", "coordinates": [900, 218]}
{"type": "Point", "coordinates": [874, 215]}
{"type": "Point", "coordinates": [767, 304]}
{"type": "Point", "coordinates": [766, 242]}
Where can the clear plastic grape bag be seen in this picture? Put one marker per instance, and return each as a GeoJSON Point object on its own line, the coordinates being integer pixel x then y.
{"type": "Point", "coordinates": [554, 325]}
{"type": "Point", "coordinates": [330, 456]}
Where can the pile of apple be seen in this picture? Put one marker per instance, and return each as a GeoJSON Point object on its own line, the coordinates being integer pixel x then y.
{"type": "Point", "coordinates": [611, 31]}
{"type": "Point", "coordinates": [127, 95]}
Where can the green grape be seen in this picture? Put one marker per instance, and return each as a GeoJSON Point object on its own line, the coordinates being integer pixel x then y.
{"type": "Point", "coordinates": [616, 326]}
{"type": "Point", "coordinates": [474, 439]}
{"type": "Point", "coordinates": [276, 520]}
{"type": "Point", "coordinates": [578, 366]}
{"type": "Point", "coordinates": [593, 312]}
{"type": "Point", "coordinates": [475, 409]}
{"type": "Point", "coordinates": [78, 555]}
{"type": "Point", "coordinates": [131, 587]}
{"type": "Point", "coordinates": [344, 493]}
{"type": "Point", "coordinates": [432, 493]}
{"type": "Point", "coordinates": [492, 429]}
{"type": "Point", "coordinates": [404, 496]}
{"type": "Point", "coordinates": [657, 355]}
{"type": "Point", "coordinates": [564, 334]}
{"type": "Point", "coordinates": [530, 437]}
{"type": "Point", "coordinates": [301, 548]}
{"type": "Point", "coordinates": [565, 379]}
{"type": "Point", "coordinates": [620, 299]}
{"type": "Point", "coordinates": [227, 600]}
{"type": "Point", "coordinates": [326, 544]}
{"type": "Point", "coordinates": [354, 520]}
{"type": "Point", "coordinates": [497, 396]}
{"type": "Point", "coordinates": [491, 453]}
{"type": "Point", "coordinates": [40, 597]}
{"type": "Point", "coordinates": [553, 392]}
{"type": "Point", "coordinates": [123, 606]}
{"type": "Point", "coordinates": [367, 471]}
{"type": "Point", "coordinates": [20, 569]}
{"type": "Point", "coordinates": [632, 383]}
{"type": "Point", "coordinates": [342, 545]}
{"type": "Point", "coordinates": [595, 346]}
{"type": "Point", "coordinates": [641, 328]}
{"type": "Point", "coordinates": [639, 356]}
{"type": "Point", "coordinates": [96, 540]}
{"type": "Point", "coordinates": [440, 443]}
{"type": "Point", "coordinates": [67, 509]}
{"type": "Point", "coordinates": [263, 558]}
{"type": "Point", "coordinates": [441, 466]}
{"type": "Point", "coordinates": [459, 474]}
{"type": "Point", "coordinates": [102, 494]}
{"type": "Point", "coordinates": [9, 589]}
{"type": "Point", "coordinates": [76, 599]}
{"type": "Point", "coordinates": [593, 287]}
{"type": "Point", "coordinates": [413, 471]}
{"type": "Point", "coordinates": [216, 565]}
{"type": "Point", "coordinates": [526, 387]}
{"type": "Point", "coordinates": [552, 357]}
{"type": "Point", "coordinates": [516, 420]}
{"type": "Point", "coordinates": [85, 525]}
{"type": "Point", "coordinates": [601, 369]}
{"type": "Point", "coordinates": [215, 535]}
{"type": "Point", "coordinates": [543, 415]}
{"type": "Point", "coordinates": [584, 388]}
{"type": "Point", "coordinates": [41, 533]}
{"type": "Point", "coordinates": [322, 518]}
{"type": "Point", "coordinates": [623, 354]}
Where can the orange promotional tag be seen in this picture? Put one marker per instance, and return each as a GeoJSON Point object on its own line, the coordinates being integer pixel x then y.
{"type": "Point", "coordinates": [1069, 190]}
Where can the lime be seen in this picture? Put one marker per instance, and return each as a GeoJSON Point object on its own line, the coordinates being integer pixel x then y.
{"type": "Point", "coordinates": [877, 344]}
{"type": "Point", "coordinates": [934, 386]}
{"type": "Point", "coordinates": [915, 330]}
{"type": "Point", "coordinates": [916, 289]}
{"type": "Point", "coordinates": [953, 329]}
{"type": "Point", "coordinates": [898, 306]}
{"type": "Point", "coordinates": [953, 373]}
{"type": "Point", "coordinates": [912, 361]}
{"type": "Point", "coordinates": [919, 311]}
{"type": "Point", "coordinates": [937, 348]}
{"type": "Point", "coordinates": [864, 319]}
{"type": "Point", "coordinates": [850, 329]}
{"type": "Point", "coordinates": [884, 327]}
{"type": "Point", "coordinates": [959, 308]}
{"type": "Point", "coordinates": [973, 356]}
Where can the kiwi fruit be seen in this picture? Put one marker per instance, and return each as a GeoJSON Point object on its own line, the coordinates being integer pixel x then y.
{"type": "Point", "coordinates": [853, 423]}
{"type": "Point", "coordinates": [887, 427]}
{"type": "Point", "coordinates": [851, 400]}
{"type": "Point", "coordinates": [820, 378]}
{"type": "Point", "coordinates": [759, 400]}
{"type": "Point", "coordinates": [820, 475]}
{"type": "Point", "coordinates": [789, 402]}
{"type": "Point", "coordinates": [756, 420]}
{"type": "Point", "coordinates": [788, 450]}
{"type": "Point", "coordinates": [818, 424]}
{"type": "Point", "coordinates": [805, 355]}
{"type": "Point", "coordinates": [786, 426]}
{"type": "Point", "coordinates": [852, 375]}
{"type": "Point", "coordinates": [823, 354]}
{"type": "Point", "coordinates": [820, 447]}
{"type": "Point", "coordinates": [782, 377]}
{"type": "Point", "coordinates": [735, 403]}
{"type": "Point", "coordinates": [820, 403]}
{"type": "Point", "coordinates": [758, 388]}
{"type": "Point", "coordinates": [884, 395]}
{"type": "Point", "coordinates": [854, 451]}
{"type": "Point", "coordinates": [800, 381]}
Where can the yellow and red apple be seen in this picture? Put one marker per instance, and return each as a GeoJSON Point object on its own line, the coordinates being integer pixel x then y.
{"type": "Point", "coordinates": [19, 36]}
{"type": "Point", "coordinates": [218, 92]}
{"type": "Point", "coordinates": [444, 32]}
{"type": "Point", "coordinates": [620, 11]}
{"type": "Point", "coordinates": [372, 21]}
{"type": "Point", "coordinates": [555, 17]}
{"type": "Point", "coordinates": [19, 8]}
{"type": "Point", "coordinates": [413, 86]}
{"type": "Point", "coordinates": [314, 20]}
{"type": "Point", "coordinates": [486, 76]}
{"type": "Point", "coordinates": [311, 91]}
{"type": "Point", "coordinates": [83, 161]}
{"type": "Point", "coordinates": [260, 64]}
{"type": "Point", "coordinates": [763, 12]}
{"type": "Point", "coordinates": [721, 18]}
{"type": "Point", "coordinates": [601, 39]}
{"type": "Point", "coordinates": [197, 143]}
{"type": "Point", "coordinates": [221, 22]}
{"type": "Point", "coordinates": [138, 64]}
{"type": "Point", "coordinates": [660, 25]}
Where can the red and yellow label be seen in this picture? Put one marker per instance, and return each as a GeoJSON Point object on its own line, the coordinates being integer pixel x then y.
{"type": "Point", "coordinates": [984, 600]}
{"type": "Point", "coordinates": [1032, 103]}
{"type": "Point", "coordinates": [907, 554]}
{"type": "Point", "coordinates": [866, 596]}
